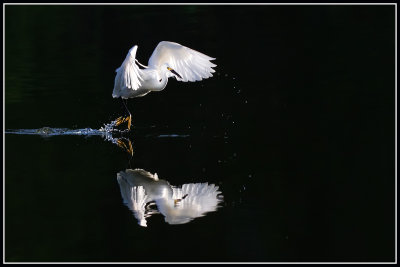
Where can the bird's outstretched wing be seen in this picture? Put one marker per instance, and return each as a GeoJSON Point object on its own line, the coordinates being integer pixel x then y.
{"type": "Point", "coordinates": [190, 64]}
{"type": "Point", "coordinates": [194, 200]}
{"type": "Point", "coordinates": [129, 74]}
{"type": "Point", "coordinates": [201, 196]}
{"type": "Point", "coordinates": [134, 197]}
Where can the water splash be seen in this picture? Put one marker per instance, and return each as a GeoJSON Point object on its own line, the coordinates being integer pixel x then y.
{"type": "Point", "coordinates": [47, 131]}
{"type": "Point", "coordinates": [106, 131]}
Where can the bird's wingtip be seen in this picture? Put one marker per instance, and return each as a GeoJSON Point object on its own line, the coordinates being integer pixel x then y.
{"type": "Point", "coordinates": [133, 50]}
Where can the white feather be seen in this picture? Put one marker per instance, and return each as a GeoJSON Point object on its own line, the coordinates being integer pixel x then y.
{"type": "Point", "coordinates": [190, 64]}
{"type": "Point", "coordinates": [135, 198]}
{"type": "Point", "coordinates": [128, 75]}
{"type": "Point", "coordinates": [195, 200]}
{"type": "Point", "coordinates": [186, 65]}
{"type": "Point", "coordinates": [200, 198]}
{"type": "Point", "coordinates": [178, 204]}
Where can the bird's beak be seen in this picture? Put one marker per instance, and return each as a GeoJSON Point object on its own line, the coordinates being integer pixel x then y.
{"type": "Point", "coordinates": [174, 72]}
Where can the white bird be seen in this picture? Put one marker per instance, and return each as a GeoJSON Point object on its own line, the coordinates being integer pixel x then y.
{"type": "Point", "coordinates": [140, 189]}
{"type": "Point", "coordinates": [169, 59]}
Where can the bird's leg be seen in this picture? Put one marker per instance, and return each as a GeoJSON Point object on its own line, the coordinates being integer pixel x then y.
{"type": "Point", "coordinates": [128, 147]}
{"type": "Point", "coordinates": [120, 120]}
{"type": "Point", "coordinates": [129, 122]}
{"type": "Point", "coordinates": [128, 119]}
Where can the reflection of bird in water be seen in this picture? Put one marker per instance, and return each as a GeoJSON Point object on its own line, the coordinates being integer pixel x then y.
{"type": "Point", "coordinates": [141, 189]}
{"type": "Point", "coordinates": [125, 144]}
{"type": "Point", "coordinates": [168, 60]}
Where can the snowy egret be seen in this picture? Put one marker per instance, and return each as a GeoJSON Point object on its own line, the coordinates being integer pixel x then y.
{"type": "Point", "coordinates": [141, 189]}
{"type": "Point", "coordinates": [169, 59]}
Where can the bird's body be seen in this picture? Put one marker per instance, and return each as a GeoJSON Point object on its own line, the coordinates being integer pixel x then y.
{"type": "Point", "coordinates": [169, 59]}
{"type": "Point", "coordinates": [179, 205]}
{"type": "Point", "coordinates": [150, 82]}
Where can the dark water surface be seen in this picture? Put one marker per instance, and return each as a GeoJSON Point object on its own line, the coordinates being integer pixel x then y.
{"type": "Point", "coordinates": [297, 128]}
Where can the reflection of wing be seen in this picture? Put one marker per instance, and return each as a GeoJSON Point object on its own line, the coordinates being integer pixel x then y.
{"type": "Point", "coordinates": [196, 201]}
{"type": "Point", "coordinates": [142, 173]}
{"type": "Point", "coordinates": [139, 190]}
{"type": "Point", "coordinates": [128, 75]}
{"type": "Point", "coordinates": [135, 198]}
{"type": "Point", "coordinates": [200, 196]}
{"type": "Point", "coordinates": [190, 64]}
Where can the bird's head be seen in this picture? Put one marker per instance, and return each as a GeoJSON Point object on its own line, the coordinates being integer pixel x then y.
{"type": "Point", "coordinates": [170, 70]}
